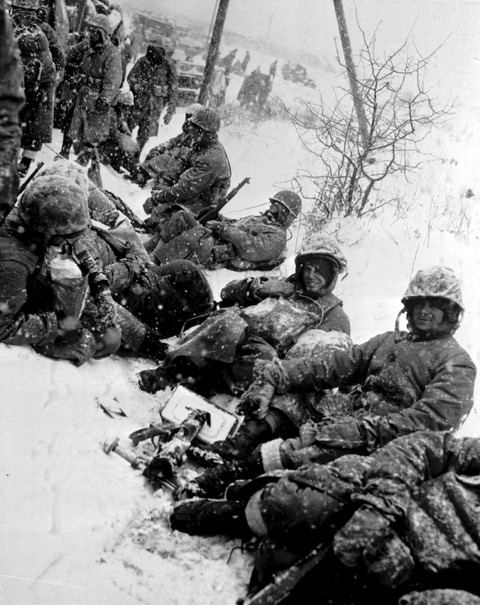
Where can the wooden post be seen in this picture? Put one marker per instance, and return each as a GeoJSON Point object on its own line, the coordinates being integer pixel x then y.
{"type": "Point", "coordinates": [352, 76]}
{"type": "Point", "coordinates": [213, 50]}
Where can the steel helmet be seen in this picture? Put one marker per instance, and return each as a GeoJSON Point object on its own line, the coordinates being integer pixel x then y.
{"type": "Point", "coordinates": [125, 97]}
{"type": "Point", "coordinates": [322, 245]}
{"type": "Point", "coordinates": [100, 22]}
{"type": "Point", "coordinates": [289, 200]}
{"type": "Point", "coordinates": [207, 119]}
{"type": "Point", "coordinates": [191, 109]}
{"type": "Point", "coordinates": [26, 4]}
{"type": "Point", "coordinates": [54, 205]}
{"type": "Point", "coordinates": [434, 282]}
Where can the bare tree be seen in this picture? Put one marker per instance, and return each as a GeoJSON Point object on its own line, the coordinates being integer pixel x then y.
{"type": "Point", "coordinates": [400, 112]}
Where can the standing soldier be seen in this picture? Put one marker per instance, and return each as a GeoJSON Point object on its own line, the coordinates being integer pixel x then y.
{"type": "Point", "coordinates": [42, 58]}
{"type": "Point", "coordinates": [11, 101]}
{"type": "Point", "coordinates": [153, 81]}
{"type": "Point", "coordinates": [100, 77]}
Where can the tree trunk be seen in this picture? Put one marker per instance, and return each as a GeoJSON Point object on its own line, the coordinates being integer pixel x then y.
{"type": "Point", "coordinates": [352, 76]}
{"type": "Point", "coordinates": [213, 50]}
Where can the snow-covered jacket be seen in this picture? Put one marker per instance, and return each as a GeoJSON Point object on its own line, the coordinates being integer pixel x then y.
{"type": "Point", "coordinates": [255, 238]}
{"type": "Point", "coordinates": [421, 493]}
{"type": "Point", "coordinates": [406, 384]}
{"type": "Point", "coordinates": [205, 180]}
{"type": "Point", "coordinates": [153, 80]}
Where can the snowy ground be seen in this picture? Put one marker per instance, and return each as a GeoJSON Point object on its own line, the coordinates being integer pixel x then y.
{"type": "Point", "coordinates": [79, 527]}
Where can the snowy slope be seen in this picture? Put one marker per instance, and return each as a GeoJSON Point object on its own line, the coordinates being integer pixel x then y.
{"type": "Point", "coordinates": [79, 527]}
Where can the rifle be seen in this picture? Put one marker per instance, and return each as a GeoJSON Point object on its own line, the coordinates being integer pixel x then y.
{"type": "Point", "coordinates": [31, 176]}
{"type": "Point", "coordinates": [210, 214]}
{"type": "Point", "coordinates": [121, 206]}
{"type": "Point", "coordinates": [285, 581]}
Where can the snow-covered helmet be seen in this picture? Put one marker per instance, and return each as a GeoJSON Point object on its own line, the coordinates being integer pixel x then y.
{"type": "Point", "coordinates": [54, 205]}
{"type": "Point", "coordinates": [289, 200]}
{"type": "Point", "coordinates": [207, 119]}
{"type": "Point", "coordinates": [322, 247]}
{"type": "Point", "coordinates": [125, 97]}
{"type": "Point", "coordinates": [435, 282]}
{"type": "Point", "coordinates": [100, 22]}
{"type": "Point", "coordinates": [192, 108]}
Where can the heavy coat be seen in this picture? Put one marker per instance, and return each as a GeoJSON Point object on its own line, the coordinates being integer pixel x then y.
{"type": "Point", "coordinates": [205, 180]}
{"type": "Point", "coordinates": [153, 81]}
{"type": "Point", "coordinates": [254, 240]}
{"type": "Point", "coordinates": [100, 74]}
{"type": "Point", "coordinates": [415, 515]}
{"type": "Point", "coordinates": [404, 384]}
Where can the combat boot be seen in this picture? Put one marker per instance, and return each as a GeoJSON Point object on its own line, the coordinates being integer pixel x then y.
{"type": "Point", "coordinates": [250, 435]}
{"type": "Point", "coordinates": [210, 518]}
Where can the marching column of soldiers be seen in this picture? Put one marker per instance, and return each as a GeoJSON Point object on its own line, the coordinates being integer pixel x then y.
{"type": "Point", "coordinates": [346, 468]}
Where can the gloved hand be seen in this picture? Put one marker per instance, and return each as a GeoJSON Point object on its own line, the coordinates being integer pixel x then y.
{"type": "Point", "coordinates": [361, 536]}
{"type": "Point", "coordinates": [148, 205]}
{"type": "Point", "coordinates": [135, 263]}
{"type": "Point", "coordinates": [277, 288]}
{"type": "Point", "coordinates": [69, 328]}
{"type": "Point", "coordinates": [101, 105]}
{"type": "Point", "coordinates": [255, 402]}
{"type": "Point", "coordinates": [168, 117]}
{"type": "Point", "coordinates": [152, 381]}
{"type": "Point", "coordinates": [108, 343]}
{"type": "Point", "coordinates": [215, 227]}
{"type": "Point", "coordinates": [158, 197]}
{"type": "Point", "coordinates": [153, 346]}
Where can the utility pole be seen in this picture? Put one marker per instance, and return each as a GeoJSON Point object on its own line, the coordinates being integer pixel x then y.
{"type": "Point", "coordinates": [213, 50]}
{"type": "Point", "coordinates": [352, 76]}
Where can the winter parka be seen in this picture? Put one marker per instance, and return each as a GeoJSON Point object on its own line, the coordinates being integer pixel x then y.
{"type": "Point", "coordinates": [405, 517]}
{"type": "Point", "coordinates": [402, 384]}
{"type": "Point", "coordinates": [100, 77]}
{"type": "Point", "coordinates": [153, 81]}
{"type": "Point", "coordinates": [205, 180]}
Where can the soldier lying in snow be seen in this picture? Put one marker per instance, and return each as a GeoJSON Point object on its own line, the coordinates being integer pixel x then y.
{"type": "Point", "coordinates": [272, 316]}
{"type": "Point", "coordinates": [398, 383]}
{"type": "Point", "coordinates": [253, 242]}
{"type": "Point", "coordinates": [403, 519]}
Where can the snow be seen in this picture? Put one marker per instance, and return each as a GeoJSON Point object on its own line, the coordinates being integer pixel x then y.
{"type": "Point", "coordinates": [81, 527]}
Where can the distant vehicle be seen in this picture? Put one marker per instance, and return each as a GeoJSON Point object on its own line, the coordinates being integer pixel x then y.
{"type": "Point", "coordinates": [148, 28]}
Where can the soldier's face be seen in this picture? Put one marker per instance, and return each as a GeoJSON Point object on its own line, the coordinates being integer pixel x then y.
{"type": "Point", "coordinates": [312, 278]}
{"type": "Point", "coordinates": [95, 37]}
{"type": "Point", "coordinates": [426, 316]}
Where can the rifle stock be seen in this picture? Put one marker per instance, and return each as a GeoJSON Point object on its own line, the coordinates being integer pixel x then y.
{"type": "Point", "coordinates": [210, 214]}
{"type": "Point", "coordinates": [285, 581]}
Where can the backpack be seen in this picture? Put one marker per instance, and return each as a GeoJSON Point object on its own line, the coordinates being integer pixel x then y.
{"type": "Point", "coordinates": [36, 57]}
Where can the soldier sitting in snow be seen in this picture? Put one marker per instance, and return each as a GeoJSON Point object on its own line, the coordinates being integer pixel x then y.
{"type": "Point", "coordinates": [272, 317]}
{"type": "Point", "coordinates": [404, 523]}
{"type": "Point", "coordinates": [399, 382]}
{"type": "Point", "coordinates": [253, 242]}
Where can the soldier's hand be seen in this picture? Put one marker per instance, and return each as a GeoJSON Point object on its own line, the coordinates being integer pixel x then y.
{"type": "Point", "coordinates": [215, 226]}
{"type": "Point", "coordinates": [148, 205]}
{"type": "Point", "coordinates": [69, 328]}
{"type": "Point", "coordinates": [275, 288]}
{"type": "Point", "coordinates": [167, 118]}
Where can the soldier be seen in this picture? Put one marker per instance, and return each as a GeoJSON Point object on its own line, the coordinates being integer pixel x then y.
{"type": "Point", "coordinates": [274, 314]}
{"type": "Point", "coordinates": [43, 58]}
{"type": "Point", "coordinates": [100, 76]}
{"type": "Point", "coordinates": [205, 179]}
{"type": "Point", "coordinates": [394, 384]}
{"type": "Point", "coordinates": [11, 101]}
{"type": "Point", "coordinates": [403, 522]}
{"type": "Point", "coordinates": [167, 161]}
{"type": "Point", "coordinates": [119, 149]}
{"type": "Point", "coordinates": [254, 242]}
{"type": "Point", "coordinates": [153, 81]}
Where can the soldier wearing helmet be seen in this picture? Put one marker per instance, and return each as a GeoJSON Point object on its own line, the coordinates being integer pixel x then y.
{"type": "Point", "coordinates": [254, 242]}
{"type": "Point", "coordinates": [205, 178]}
{"type": "Point", "coordinates": [398, 383]}
{"type": "Point", "coordinates": [46, 283]}
{"type": "Point", "coordinates": [95, 89]}
{"type": "Point", "coordinates": [275, 313]}
{"type": "Point", "coordinates": [43, 61]}
{"type": "Point", "coordinates": [166, 162]}
{"type": "Point", "coordinates": [153, 81]}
